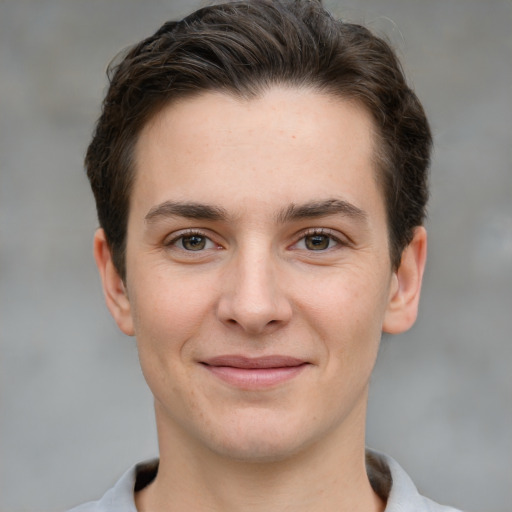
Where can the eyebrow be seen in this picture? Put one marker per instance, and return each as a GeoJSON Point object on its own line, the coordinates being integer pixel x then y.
{"type": "Point", "coordinates": [188, 210]}
{"type": "Point", "coordinates": [310, 210]}
{"type": "Point", "coordinates": [315, 209]}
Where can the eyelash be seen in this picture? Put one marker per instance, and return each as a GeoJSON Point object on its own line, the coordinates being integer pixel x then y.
{"type": "Point", "coordinates": [321, 232]}
{"type": "Point", "coordinates": [303, 236]}
{"type": "Point", "coordinates": [187, 234]}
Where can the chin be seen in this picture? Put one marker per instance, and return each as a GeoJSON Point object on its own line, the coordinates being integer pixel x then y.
{"type": "Point", "coordinates": [261, 441]}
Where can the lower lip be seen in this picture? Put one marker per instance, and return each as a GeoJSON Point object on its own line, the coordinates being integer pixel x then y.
{"type": "Point", "coordinates": [255, 378]}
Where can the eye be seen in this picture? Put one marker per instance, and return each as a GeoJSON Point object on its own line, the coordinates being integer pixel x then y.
{"type": "Point", "coordinates": [317, 241]}
{"type": "Point", "coordinates": [192, 242]}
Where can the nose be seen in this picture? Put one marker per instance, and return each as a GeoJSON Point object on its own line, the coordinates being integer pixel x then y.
{"type": "Point", "coordinates": [251, 297]}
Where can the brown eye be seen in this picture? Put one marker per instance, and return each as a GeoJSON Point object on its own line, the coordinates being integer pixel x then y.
{"type": "Point", "coordinates": [317, 242]}
{"type": "Point", "coordinates": [193, 242]}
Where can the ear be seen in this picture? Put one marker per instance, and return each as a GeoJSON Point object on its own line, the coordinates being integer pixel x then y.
{"type": "Point", "coordinates": [404, 298]}
{"type": "Point", "coordinates": [113, 286]}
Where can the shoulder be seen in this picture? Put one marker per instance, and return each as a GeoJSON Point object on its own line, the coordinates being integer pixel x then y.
{"type": "Point", "coordinates": [120, 498]}
{"type": "Point", "coordinates": [92, 506]}
{"type": "Point", "coordinates": [394, 485]}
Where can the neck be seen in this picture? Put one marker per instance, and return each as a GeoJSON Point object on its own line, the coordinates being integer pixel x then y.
{"type": "Point", "coordinates": [327, 476]}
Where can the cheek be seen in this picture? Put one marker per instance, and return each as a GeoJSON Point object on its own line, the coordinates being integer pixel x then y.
{"type": "Point", "coordinates": [346, 312]}
{"type": "Point", "coordinates": [168, 316]}
{"type": "Point", "coordinates": [348, 298]}
{"type": "Point", "coordinates": [167, 312]}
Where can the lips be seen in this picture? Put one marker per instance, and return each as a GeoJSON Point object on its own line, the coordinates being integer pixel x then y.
{"type": "Point", "coordinates": [253, 373]}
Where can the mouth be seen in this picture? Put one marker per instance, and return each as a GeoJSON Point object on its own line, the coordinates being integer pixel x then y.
{"type": "Point", "coordinates": [254, 373]}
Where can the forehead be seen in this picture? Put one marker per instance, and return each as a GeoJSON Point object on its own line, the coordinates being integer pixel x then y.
{"type": "Point", "coordinates": [287, 145]}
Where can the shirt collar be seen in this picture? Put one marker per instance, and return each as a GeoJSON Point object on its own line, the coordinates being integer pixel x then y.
{"type": "Point", "coordinates": [386, 476]}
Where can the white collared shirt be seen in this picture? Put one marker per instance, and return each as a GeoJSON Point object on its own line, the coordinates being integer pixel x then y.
{"type": "Point", "coordinates": [388, 480]}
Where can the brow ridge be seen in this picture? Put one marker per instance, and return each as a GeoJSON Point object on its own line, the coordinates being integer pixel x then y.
{"type": "Point", "coordinates": [293, 212]}
{"type": "Point", "coordinates": [323, 208]}
{"type": "Point", "coordinates": [189, 210]}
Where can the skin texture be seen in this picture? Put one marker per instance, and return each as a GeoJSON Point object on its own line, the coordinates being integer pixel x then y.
{"type": "Point", "coordinates": [279, 199]}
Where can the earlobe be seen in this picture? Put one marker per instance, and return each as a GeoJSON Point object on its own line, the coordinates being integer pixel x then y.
{"type": "Point", "coordinates": [114, 289]}
{"type": "Point", "coordinates": [404, 298]}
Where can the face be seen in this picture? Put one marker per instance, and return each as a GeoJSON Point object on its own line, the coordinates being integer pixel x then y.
{"type": "Point", "coordinates": [258, 272]}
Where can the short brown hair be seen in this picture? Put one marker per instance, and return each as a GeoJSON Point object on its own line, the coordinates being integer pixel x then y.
{"type": "Point", "coordinates": [243, 48]}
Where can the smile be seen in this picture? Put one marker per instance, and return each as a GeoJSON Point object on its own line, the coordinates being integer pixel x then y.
{"type": "Point", "coordinates": [254, 373]}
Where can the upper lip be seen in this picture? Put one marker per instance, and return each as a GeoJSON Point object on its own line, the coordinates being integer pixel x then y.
{"type": "Point", "coordinates": [239, 361]}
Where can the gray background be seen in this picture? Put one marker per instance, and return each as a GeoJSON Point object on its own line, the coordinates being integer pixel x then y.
{"type": "Point", "coordinates": [74, 410]}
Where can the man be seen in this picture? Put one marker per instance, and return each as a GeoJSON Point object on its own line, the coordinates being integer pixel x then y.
{"type": "Point", "coordinates": [260, 175]}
